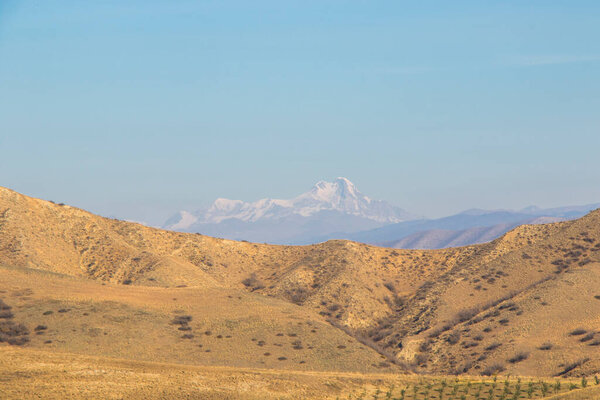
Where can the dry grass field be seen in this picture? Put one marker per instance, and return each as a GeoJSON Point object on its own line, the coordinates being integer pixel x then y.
{"type": "Point", "coordinates": [30, 373]}
{"type": "Point", "coordinates": [190, 315]}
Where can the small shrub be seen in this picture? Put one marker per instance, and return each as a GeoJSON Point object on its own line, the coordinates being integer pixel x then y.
{"type": "Point", "coordinates": [466, 315]}
{"type": "Point", "coordinates": [181, 320]}
{"type": "Point", "coordinates": [493, 369]}
{"type": "Point", "coordinates": [18, 341]}
{"type": "Point", "coordinates": [453, 338]}
{"type": "Point", "coordinates": [334, 307]}
{"type": "Point", "coordinates": [298, 295]}
{"type": "Point", "coordinates": [572, 366]}
{"type": "Point", "coordinates": [6, 314]}
{"type": "Point", "coordinates": [13, 334]}
{"type": "Point", "coordinates": [425, 346]}
{"type": "Point", "coordinates": [252, 282]}
{"type": "Point", "coordinates": [577, 332]}
{"type": "Point", "coordinates": [187, 336]}
{"type": "Point", "coordinates": [4, 306]}
{"type": "Point", "coordinates": [587, 337]}
{"type": "Point", "coordinates": [493, 346]}
{"type": "Point", "coordinates": [545, 346]}
{"type": "Point", "coordinates": [48, 312]}
{"type": "Point", "coordinates": [420, 358]}
{"type": "Point", "coordinates": [521, 356]}
{"type": "Point", "coordinates": [390, 286]}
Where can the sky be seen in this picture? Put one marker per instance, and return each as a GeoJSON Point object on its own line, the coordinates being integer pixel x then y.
{"type": "Point", "coordinates": [138, 109]}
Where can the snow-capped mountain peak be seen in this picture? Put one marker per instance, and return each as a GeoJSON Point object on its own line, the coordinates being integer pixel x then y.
{"type": "Point", "coordinates": [339, 196]}
{"type": "Point", "coordinates": [334, 192]}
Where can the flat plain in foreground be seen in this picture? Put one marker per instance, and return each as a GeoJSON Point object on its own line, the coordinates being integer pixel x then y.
{"type": "Point", "coordinates": [28, 374]}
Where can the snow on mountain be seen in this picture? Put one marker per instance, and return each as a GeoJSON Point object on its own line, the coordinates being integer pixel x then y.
{"type": "Point", "coordinates": [339, 196]}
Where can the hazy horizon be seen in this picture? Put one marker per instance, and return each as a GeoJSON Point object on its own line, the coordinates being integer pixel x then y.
{"type": "Point", "coordinates": [138, 110]}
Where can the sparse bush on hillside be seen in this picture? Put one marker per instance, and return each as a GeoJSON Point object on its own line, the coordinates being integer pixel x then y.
{"type": "Point", "coordinates": [453, 338]}
{"type": "Point", "coordinates": [334, 307]}
{"type": "Point", "coordinates": [4, 306]}
{"type": "Point", "coordinates": [546, 346]}
{"type": "Point", "coordinates": [492, 369]}
{"type": "Point", "coordinates": [587, 337]}
{"type": "Point", "coordinates": [425, 346]}
{"type": "Point", "coordinates": [420, 359]}
{"type": "Point", "coordinates": [493, 346]}
{"type": "Point", "coordinates": [438, 331]}
{"type": "Point", "coordinates": [577, 332]}
{"type": "Point", "coordinates": [572, 366]}
{"type": "Point", "coordinates": [298, 295]}
{"type": "Point", "coordinates": [466, 315]}
{"type": "Point", "coordinates": [252, 282]}
{"type": "Point", "coordinates": [390, 286]}
{"type": "Point", "coordinates": [181, 320]}
{"type": "Point", "coordinates": [13, 334]}
{"type": "Point", "coordinates": [521, 356]}
{"type": "Point", "coordinates": [187, 336]}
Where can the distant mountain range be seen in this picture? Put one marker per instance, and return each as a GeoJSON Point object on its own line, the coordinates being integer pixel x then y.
{"type": "Point", "coordinates": [469, 227]}
{"type": "Point", "coordinates": [327, 208]}
{"type": "Point", "coordinates": [338, 210]}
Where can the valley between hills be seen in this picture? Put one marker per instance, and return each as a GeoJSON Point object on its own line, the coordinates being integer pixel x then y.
{"type": "Point", "coordinates": [93, 307]}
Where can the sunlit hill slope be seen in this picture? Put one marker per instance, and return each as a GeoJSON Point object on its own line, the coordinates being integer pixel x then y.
{"type": "Point", "coordinates": [527, 303]}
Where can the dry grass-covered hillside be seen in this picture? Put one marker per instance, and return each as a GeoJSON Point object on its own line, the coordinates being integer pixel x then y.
{"type": "Point", "coordinates": [525, 304]}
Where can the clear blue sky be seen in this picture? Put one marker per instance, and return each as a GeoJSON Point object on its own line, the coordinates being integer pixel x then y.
{"type": "Point", "coordinates": [138, 108]}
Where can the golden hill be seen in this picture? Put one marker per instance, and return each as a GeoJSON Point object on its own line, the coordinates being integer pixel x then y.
{"type": "Point", "coordinates": [518, 304]}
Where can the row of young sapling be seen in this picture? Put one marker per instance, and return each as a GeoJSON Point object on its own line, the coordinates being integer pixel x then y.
{"type": "Point", "coordinates": [474, 390]}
